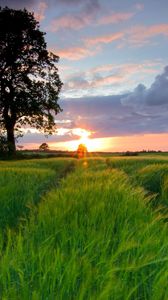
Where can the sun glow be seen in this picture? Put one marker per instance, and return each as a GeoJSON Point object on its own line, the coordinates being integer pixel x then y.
{"type": "Point", "coordinates": [91, 144]}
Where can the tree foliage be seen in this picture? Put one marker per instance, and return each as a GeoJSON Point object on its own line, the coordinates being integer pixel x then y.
{"type": "Point", "coordinates": [44, 147]}
{"type": "Point", "coordinates": [29, 80]}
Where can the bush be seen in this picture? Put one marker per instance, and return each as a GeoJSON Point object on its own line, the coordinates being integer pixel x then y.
{"type": "Point", "coordinates": [130, 153]}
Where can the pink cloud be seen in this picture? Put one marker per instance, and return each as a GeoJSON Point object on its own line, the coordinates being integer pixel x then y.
{"type": "Point", "coordinates": [76, 21]}
{"type": "Point", "coordinates": [116, 18]}
{"type": "Point", "coordinates": [128, 69]}
{"type": "Point", "coordinates": [112, 79]}
{"type": "Point", "coordinates": [75, 53]}
{"type": "Point", "coordinates": [104, 39]}
{"type": "Point", "coordinates": [139, 6]}
{"type": "Point", "coordinates": [108, 75]}
{"type": "Point", "coordinates": [40, 11]}
{"type": "Point", "coordinates": [102, 68]}
{"type": "Point", "coordinates": [141, 35]}
{"type": "Point", "coordinates": [94, 83]}
{"type": "Point", "coordinates": [121, 74]}
{"type": "Point", "coordinates": [68, 22]}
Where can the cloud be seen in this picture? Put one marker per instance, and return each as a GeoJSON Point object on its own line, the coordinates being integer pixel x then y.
{"type": "Point", "coordinates": [38, 138]}
{"type": "Point", "coordinates": [139, 6]}
{"type": "Point", "coordinates": [70, 2]}
{"type": "Point", "coordinates": [156, 95]}
{"type": "Point", "coordinates": [141, 35]}
{"type": "Point", "coordinates": [115, 18]}
{"type": "Point", "coordinates": [103, 81]}
{"type": "Point", "coordinates": [29, 3]}
{"type": "Point", "coordinates": [128, 68]}
{"type": "Point", "coordinates": [18, 4]}
{"type": "Point", "coordinates": [103, 39]}
{"type": "Point", "coordinates": [98, 81]}
{"type": "Point", "coordinates": [76, 20]}
{"type": "Point", "coordinates": [74, 53]}
{"type": "Point", "coordinates": [104, 78]}
{"type": "Point", "coordinates": [88, 15]}
{"type": "Point", "coordinates": [91, 47]}
{"type": "Point", "coordinates": [137, 36]}
{"type": "Point", "coordinates": [39, 7]}
{"type": "Point", "coordinates": [68, 22]}
{"type": "Point", "coordinates": [106, 117]}
{"type": "Point", "coordinates": [40, 11]}
{"type": "Point", "coordinates": [121, 16]}
{"type": "Point", "coordinates": [145, 110]}
{"type": "Point", "coordinates": [92, 7]}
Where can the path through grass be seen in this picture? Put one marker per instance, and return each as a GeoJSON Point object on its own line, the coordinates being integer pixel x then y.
{"type": "Point", "coordinates": [95, 237]}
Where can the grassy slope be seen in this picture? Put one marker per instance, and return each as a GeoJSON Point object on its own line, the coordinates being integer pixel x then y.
{"type": "Point", "coordinates": [93, 238]}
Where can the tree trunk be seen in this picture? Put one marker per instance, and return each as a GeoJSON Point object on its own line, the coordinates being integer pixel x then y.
{"type": "Point", "coordinates": [11, 140]}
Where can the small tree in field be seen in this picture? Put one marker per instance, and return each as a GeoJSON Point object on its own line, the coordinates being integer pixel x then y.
{"type": "Point", "coordinates": [20, 147]}
{"type": "Point", "coordinates": [81, 151]}
{"type": "Point", "coordinates": [29, 80]}
{"type": "Point", "coordinates": [44, 147]}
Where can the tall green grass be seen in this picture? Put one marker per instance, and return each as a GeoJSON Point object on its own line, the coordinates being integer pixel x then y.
{"type": "Point", "coordinates": [131, 165]}
{"type": "Point", "coordinates": [154, 179]}
{"type": "Point", "coordinates": [148, 171]}
{"type": "Point", "coordinates": [19, 190]}
{"type": "Point", "coordinates": [22, 184]}
{"type": "Point", "coordinates": [93, 238]}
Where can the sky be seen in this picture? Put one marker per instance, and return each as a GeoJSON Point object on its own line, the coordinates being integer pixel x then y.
{"type": "Point", "coordinates": [114, 66]}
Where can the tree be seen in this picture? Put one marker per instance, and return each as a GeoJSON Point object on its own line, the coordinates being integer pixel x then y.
{"type": "Point", "coordinates": [44, 147]}
{"type": "Point", "coordinates": [81, 151]}
{"type": "Point", "coordinates": [29, 80]}
{"type": "Point", "coordinates": [3, 145]}
{"type": "Point", "coordinates": [20, 147]}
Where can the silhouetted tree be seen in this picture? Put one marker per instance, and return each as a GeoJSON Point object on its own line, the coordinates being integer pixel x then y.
{"type": "Point", "coordinates": [29, 80]}
{"type": "Point", "coordinates": [81, 151]}
{"type": "Point", "coordinates": [44, 147]}
{"type": "Point", "coordinates": [3, 145]}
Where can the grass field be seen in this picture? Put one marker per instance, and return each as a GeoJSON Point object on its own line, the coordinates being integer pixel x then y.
{"type": "Point", "coordinates": [84, 229]}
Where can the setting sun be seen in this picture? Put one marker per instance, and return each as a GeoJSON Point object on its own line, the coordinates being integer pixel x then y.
{"type": "Point", "coordinates": [91, 144]}
{"type": "Point", "coordinates": [84, 138]}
